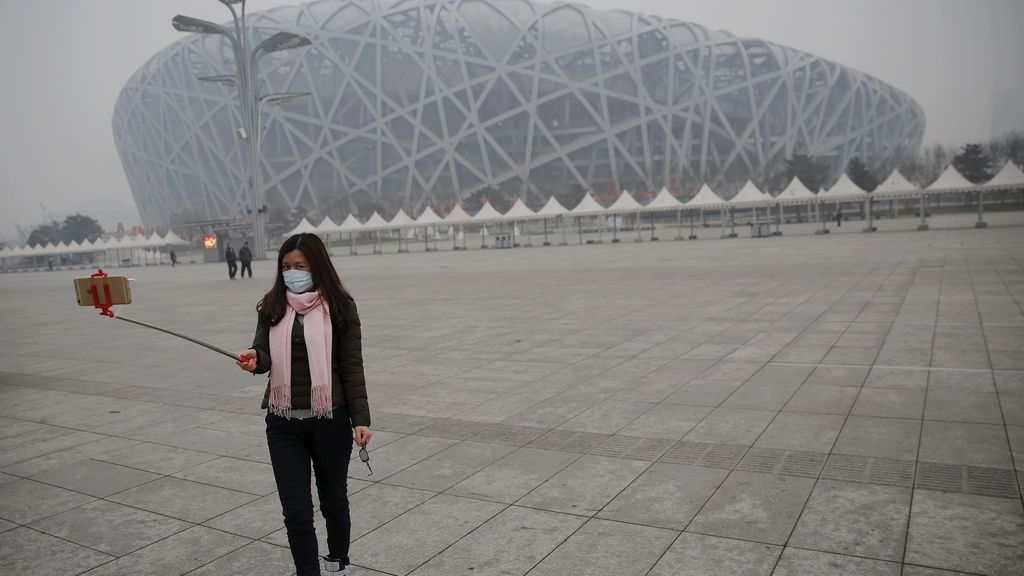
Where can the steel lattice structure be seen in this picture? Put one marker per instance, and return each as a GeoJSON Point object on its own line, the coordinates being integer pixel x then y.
{"type": "Point", "coordinates": [418, 102]}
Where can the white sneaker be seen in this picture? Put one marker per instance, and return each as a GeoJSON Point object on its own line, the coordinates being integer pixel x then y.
{"type": "Point", "coordinates": [335, 566]}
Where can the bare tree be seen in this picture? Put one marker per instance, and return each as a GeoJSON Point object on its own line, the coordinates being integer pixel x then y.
{"type": "Point", "coordinates": [928, 165]}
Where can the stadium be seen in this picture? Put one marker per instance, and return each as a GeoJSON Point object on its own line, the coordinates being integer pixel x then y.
{"type": "Point", "coordinates": [423, 103]}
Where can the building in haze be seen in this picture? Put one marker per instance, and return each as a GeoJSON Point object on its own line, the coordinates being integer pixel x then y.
{"type": "Point", "coordinates": [428, 102]}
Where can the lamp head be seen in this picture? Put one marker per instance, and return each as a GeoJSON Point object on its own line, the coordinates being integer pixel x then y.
{"type": "Point", "coordinates": [284, 41]}
{"type": "Point", "coordinates": [183, 23]}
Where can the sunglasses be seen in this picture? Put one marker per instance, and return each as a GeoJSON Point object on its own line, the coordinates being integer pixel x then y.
{"type": "Point", "coordinates": [364, 456]}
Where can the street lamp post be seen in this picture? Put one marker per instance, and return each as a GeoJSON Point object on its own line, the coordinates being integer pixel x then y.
{"type": "Point", "coordinates": [245, 80]}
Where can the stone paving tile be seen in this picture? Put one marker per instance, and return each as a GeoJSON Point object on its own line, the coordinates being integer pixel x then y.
{"type": "Point", "coordinates": [178, 554]}
{"type": "Point", "coordinates": [233, 473]}
{"type": "Point", "coordinates": [124, 529]}
{"type": "Point", "coordinates": [26, 500]}
{"type": "Point", "coordinates": [822, 399]}
{"type": "Point", "coordinates": [512, 542]}
{"type": "Point", "coordinates": [802, 431]}
{"type": "Point", "coordinates": [753, 506]}
{"type": "Point", "coordinates": [839, 375]}
{"type": "Point", "coordinates": [585, 486]}
{"type": "Point", "coordinates": [62, 458]}
{"type": "Point", "coordinates": [253, 520]}
{"type": "Point", "coordinates": [415, 537]}
{"type": "Point", "coordinates": [26, 552]}
{"type": "Point", "coordinates": [96, 478]}
{"type": "Point", "coordinates": [515, 475]}
{"type": "Point", "coordinates": [255, 559]}
{"type": "Point", "coordinates": [669, 421]}
{"type": "Point", "coordinates": [183, 499]}
{"type": "Point", "coordinates": [797, 562]}
{"type": "Point", "coordinates": [401, 454]}
{"type": "Point", "coordinates": [965, 443]}
{"type": "Point", "coordinates": [963, 406]}
{"type": "Point", "coordinates": [665, 496]}
{"type": "Point", "coordinates": [902, 378]}
{"type": "Point", "coordinates": [731, 426]}
{"type": "Point", "coordinates": [961, 381]}
{"type": "Point", "coordinates": [879, 437]}
{"type": "Point", "coordinates": [156, 458]}
{"type": "Point", "coordinates": [700, 555]}
{"type": "Point", "coordinates": [450, 466]}
{"type": "Point", "coordinates": [602, 547]}
{"type": "Point", "coordinates": [967, 533]}
{"type": "Point", "coordinates": [854, 519]}
{"type": "Point", "coordinates": [889, 403]}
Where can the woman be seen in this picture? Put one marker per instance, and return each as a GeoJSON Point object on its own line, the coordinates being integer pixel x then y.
{"type": "Point", "coordinates": [308, 337]}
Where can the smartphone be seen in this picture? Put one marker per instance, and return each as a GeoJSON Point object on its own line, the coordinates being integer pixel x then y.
{"type": "Point", "coordinates": [120, 293]}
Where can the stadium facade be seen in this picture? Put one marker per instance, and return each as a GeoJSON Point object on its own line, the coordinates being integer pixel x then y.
{"type": "Point", "coordinates": [427, 102]}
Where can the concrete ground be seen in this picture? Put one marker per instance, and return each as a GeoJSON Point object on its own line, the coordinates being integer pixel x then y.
{"type": "Point", "coordinates": [848, 404]}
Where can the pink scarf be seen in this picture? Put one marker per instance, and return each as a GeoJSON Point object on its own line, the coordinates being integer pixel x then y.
{"type": "Point", "coordinates": [316, 327]}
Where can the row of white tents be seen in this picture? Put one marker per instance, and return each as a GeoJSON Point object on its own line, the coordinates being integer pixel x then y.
{"type": "Point", "coordinates": [124, 243]}
{"type": "Point", "coordinates": [894, 187]}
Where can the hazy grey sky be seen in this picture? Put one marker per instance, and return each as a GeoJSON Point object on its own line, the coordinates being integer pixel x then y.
{"type": "Point", "coordinates": [64, 63]}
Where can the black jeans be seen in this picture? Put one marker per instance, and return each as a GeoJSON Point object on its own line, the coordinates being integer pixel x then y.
{"type": "Point", "coordinates": [246, 265]}
{"type": "Point", "coordinates": [327, 443]}
{"type": "Point", "coordinates": [232, 267]}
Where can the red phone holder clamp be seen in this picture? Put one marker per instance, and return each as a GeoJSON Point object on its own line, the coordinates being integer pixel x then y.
{"type": "Point", "coordinates": [103, 308]}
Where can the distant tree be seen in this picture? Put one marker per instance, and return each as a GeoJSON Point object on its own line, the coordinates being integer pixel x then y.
{"type": "Point", "coordinates": [1008, 147]}
{"type": "Point", "coordinates": [79, 228]}
{"type": "Point", "coordinates": [973, 163]}
{"type": "Point", "coordinates": [928, 165]}
{"type": "Point", "coordinates": [812, 172]}
{"type": "Point", "coordinates": [44, 234]}
{"type": "Point", "coordinates": [772, 177]}
{"type": "Point", "coordinates": [860, 175]}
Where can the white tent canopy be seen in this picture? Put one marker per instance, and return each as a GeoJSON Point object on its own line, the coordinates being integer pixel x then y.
{"type": "Point", "coordinates": [519, 211]}
{"type": "Point", "coordinates": [1010, 177]}
{"type": "Point", "coordinates": [376, 222]}
{"type": "Point", "coordinates": [749, 195]}
{"type": "Point", "coordinates": [326, 226]}
{"type": "Point", "coordinates": [894, 186]}
{"type": "Point", "coordinates": [304, 226]}
{"type": "Point", "coordinates": [401, 220]}
{"type": "Point", "coordinates": [795, 193]}
{"type": "Point", "coordinates": [551, 208]}
{"type": "Point", "coordinates": [624, 203]}
{"type": "Point", "coordinates": [705, 198]}
{"type": "Point", "coordinates": [428, 217]}
{"type": "Point", "coordinates": [663, 201]}
{"type": "Point", "coordinates": [486, 213]}
{"type": "Point", "coordinates": [950, 181]}
{"type": "Point", "coordinates": [350, 224]}
{"type": "Point", "coordinates": [844, 189]}
{"type": "Point", "coordinates": [458, 215]}
{"type": "Point", "coordinates": [588, 206]}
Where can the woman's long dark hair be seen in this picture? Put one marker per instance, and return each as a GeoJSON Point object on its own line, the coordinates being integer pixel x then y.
{"type": "Point", "coordinates": [325, 279]}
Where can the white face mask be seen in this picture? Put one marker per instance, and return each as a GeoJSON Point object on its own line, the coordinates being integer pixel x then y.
{"type": "Point", "coordinates": [298, 281]}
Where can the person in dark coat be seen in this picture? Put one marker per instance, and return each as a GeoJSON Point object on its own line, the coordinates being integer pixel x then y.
{"type": "Point", "coordinates": [245, 257]}
{"type": "Point", "coordinates": [308, 336]}
{"type": "Point", "coordinates": [229, 256]}
{"type": "Point", "coordinates": [839, 218]}
{"type": "Point", "coordinates": [174, 258]}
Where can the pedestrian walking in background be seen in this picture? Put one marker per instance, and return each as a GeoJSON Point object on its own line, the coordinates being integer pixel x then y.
{"type": "Point", "coordinates": [308, 336]}
{"type": "Point", "coordinates": [174, 258]}
{"type": "Point", "coordinates": [229, 256]}
{"type": "Point", "coordinates": [839, 218]}
{"type": "Point", "coordinates": [245, 257]}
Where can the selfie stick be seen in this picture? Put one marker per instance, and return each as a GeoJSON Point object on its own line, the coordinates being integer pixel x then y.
{"type": "Point", "coordinates": [105, 310]}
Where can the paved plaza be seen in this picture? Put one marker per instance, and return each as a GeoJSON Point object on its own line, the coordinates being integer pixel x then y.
{"type": "Point", "coordinates": [840, 405]}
